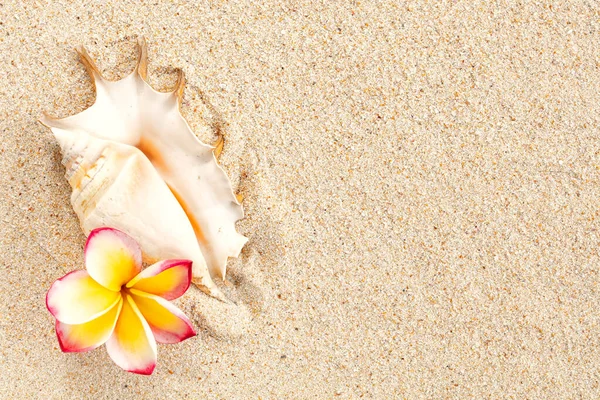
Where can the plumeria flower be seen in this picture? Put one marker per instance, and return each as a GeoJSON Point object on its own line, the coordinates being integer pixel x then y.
{"type": "Point", "coordinates": [116, 303]}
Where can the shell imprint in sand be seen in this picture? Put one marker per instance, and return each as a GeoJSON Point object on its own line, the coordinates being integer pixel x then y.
{"type": "Point", "coordinates": [134, 164]}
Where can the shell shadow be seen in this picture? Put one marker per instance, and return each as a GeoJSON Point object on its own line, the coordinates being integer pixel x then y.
{"type": "Point", "coordinates": [247, 279]}
{"type": "Point", "coordinates": [243, 279]}
{"type": "Point", "coordinates": [214, 318]}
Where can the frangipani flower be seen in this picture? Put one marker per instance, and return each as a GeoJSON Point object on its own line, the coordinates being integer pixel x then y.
{"type": "Point", "coordinates": [116, 303]}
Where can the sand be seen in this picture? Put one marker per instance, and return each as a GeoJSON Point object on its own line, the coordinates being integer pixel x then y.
{"type": "Point", "coordinates": [420, 181]}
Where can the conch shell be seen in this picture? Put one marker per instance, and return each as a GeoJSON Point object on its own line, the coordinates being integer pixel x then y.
{"type": "Point", "coordinates": [135, 165]}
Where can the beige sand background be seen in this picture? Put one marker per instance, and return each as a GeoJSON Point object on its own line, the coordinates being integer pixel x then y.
{"type": "Point", "coordinates": [421, 185]}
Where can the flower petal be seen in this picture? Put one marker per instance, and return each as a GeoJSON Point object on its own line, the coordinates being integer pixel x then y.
{"type": "Point", "coordinates": [88, 336]}
{"type": "Point", "coordinates": [168, 279]}
{"type": "Point", "coordinates": [112, 258]}
{"type": "Point", "coordinates": [76, 298]}
{"type": "Point", "coordinates": [168, 323]}
{"type": "Point", "coordinates": [132, 345]}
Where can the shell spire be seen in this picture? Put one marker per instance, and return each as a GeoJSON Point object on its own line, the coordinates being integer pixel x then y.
{"type": "Point", "coordinates": [142, 63]}
{"type": "Point", "coordinates": [89, 64]}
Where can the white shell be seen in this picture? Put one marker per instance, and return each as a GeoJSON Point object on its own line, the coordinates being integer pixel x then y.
{"type": "Point", "coordinates": [115, 185]}
{"type": "Point", "coordinates": [129, 114]}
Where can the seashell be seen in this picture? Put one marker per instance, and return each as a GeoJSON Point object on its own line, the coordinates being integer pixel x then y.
{"type": "Point", "coordinates": [131, 113]}
{"type": "Point", "coordinates": [116, 185]}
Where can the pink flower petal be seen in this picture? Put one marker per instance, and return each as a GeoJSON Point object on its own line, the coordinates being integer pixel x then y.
{"type": "Point", "coordinates": [132, 345]}
{"type": "Point", "coordinates": [168, 323]}
{"type": "Point", "coordinates": [76, 298]}
{"type": "Point", "coordinates": [112, 258]}
{"type": "Point", "coordinates": [89, 335]}
{"type": "Point", "coordinates": [168, 279]}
